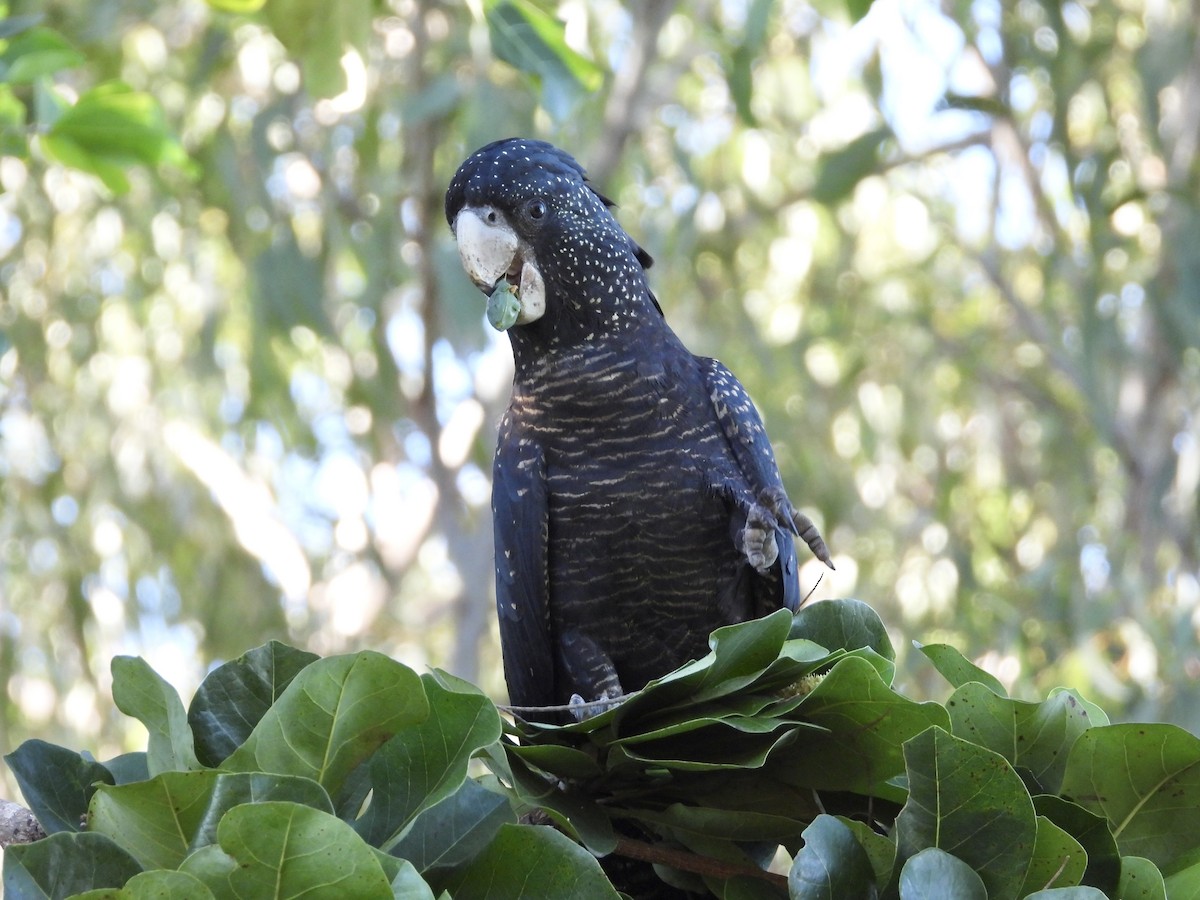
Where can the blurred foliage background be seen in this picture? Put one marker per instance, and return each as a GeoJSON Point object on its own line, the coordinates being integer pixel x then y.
{"type": "Point", "coordinates": [247, 393]}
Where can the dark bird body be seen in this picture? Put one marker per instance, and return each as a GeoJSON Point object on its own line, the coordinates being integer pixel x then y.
{"type": "Point", "coordinates": [637, 503]}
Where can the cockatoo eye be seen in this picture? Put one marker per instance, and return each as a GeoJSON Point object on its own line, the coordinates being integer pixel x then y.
{"type": "Point", "coordinates": [536, 209]}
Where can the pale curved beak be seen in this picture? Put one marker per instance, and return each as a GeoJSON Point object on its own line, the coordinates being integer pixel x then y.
{"type": "Point", "coordinates": [491, 251]}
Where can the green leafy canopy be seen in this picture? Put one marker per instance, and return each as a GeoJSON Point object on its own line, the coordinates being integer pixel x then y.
{"type": "Point", "coordinates": [352, 775]}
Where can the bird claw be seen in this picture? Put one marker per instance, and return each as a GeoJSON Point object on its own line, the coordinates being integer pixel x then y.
{"type": "Point", "coordinates": [772, 511]}
{"type": "Point", "coordinates": [769, 512]}
{"type": "Point", "coordinates": [581, 709]}
{"type": "Point", "coordinates": [758, 539]}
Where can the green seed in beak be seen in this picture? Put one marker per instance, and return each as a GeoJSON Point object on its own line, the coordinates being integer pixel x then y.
{"type": "Point", "coordinates": [503, 306]}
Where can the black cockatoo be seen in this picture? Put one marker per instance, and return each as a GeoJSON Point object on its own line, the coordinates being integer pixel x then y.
{"type": "Point", "coordinates": [636, 499]}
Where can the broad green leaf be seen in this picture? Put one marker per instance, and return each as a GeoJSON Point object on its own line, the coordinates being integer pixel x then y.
{"type": "Point", "coordinates": [141, 692]}
{"type": "Point", "coordinates": [842, 625]}
{"type": "Point", "coordinates": [880, 849]}
{"type": "Point", "coordinates": [235, 696]}
{"type": "Point", "coordinates": [533, 42]}
{"type": "Point", "coordinates": [155, 820]}
{"type": "Point", "coordinates": [740, 653]}
{"type": "Point", "coordinates": [527, 862]}
{"type": "Point", "coordinates": [455, 830]}
{"type": "Point", "coordinates": [1083, 892]}
{"type": "Point", "coordinates": [576, 812]}
{"type": "Point", "coordinates": [934, 874]}
{"type": "Point", "coordinates": [235, 788]}
{"type": "Point", "coordinates": [1141, 880]}
{"type": "Point", "coordinates": [867, 723]}
{"type": "Point", "coordinates": [64, 864]}
{"type": "Point", "coordinates": [408, 884]}
{"type": "Point", "coordinates": [109, 128]}
{"type": "Point", "coordinates": [157, 885]}
{"type": "Point", "coordinates": [287, 850]}
{"type": "Point", "coordinates": [725, 824]}
{"type": "Point", "coordinates": [1184, 882]}
{"type": "Point", "coordinates": [1092, 833]}
{"type": "Point", "coordinates": [968, 801]}
{"type": "Point", "coordinates": [1058, 859]}
{"type": "Point", "coordinates": [717, 746]}
{"type": "Point", "coordinates": [831, 864]}
{"type": "Point", "coordinates": [1145, 780]}
{"type": "Point", "coordinates": [333, 715]}
{"type": "Point", "coordinates": [129, 767]}
{"type": "Point", "coordinates": [1036, 737]}
{"type": "Point", "coordinates": [36, 53]}
{"type": "Point", "coordinates": [957, 669]}
{"type": "Point", "coordinates": [426, 763]}
{"type": "Point", "coordinates": [839, 171]}
{"type": "Point", "coordinates": [57, 783]}
{"type": "Point", "coordinates": [555, 759]}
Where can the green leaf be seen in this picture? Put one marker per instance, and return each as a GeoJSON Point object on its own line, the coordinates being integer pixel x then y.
{"type": "Point", "coordinates": [162, 820]}
{"type": "Point", "coordinates": [957, 669]}
{"type": "Point", "coordinates": [1141, 880]}
{"type": "Point", "coordinates": [533, 42]}
{"type": "Point", "coordinates": [64, 864]}
{"type": "Point", "coordinates": [575, 811]}
{"type": "Point", "coordinates": [158, 885]}
{"type": "Point", "coordinates": [333, 715]}
{"type": "Point", "coordinates": [831, 864]}
{"type": "Point", "coordinates": [866, 722]}
{"type": "Point", "coordinates": [843, 625]}
{"type": "Point", "coordinates": [934, 874]}
{"type": "Point", "coordinates": [36, 53]}
{"type": "Point", "coordinates": [129, 767]}
{"type": "Point", "coordinates": [408, 884]}
{"type": "Point", "coordinates": [740, 653]}
{"type": "Point", "coordinates": [880, 850]}
{"type": "Point", "coordinates": [426, 763]}
{"type": "Point", "coordinates": [1033, 736]}
{"type": "Point", "coordinates": [57, 783]}
{"type": "Point", "coordinates": [1145, 780]}
{"type": "Point", "coordinates": [527, 862]}
{"type": "Point", "coordinates": [839, 171]}
{"type": "Point", "coordinates": [1058, 859]}
{"type": "Point", "coordinates": [1092, 833]}
{"type": "Point", "coordinates": [1184, 882]}
{"type": "Point", "coordinates": [154, 820]}
{"type": "Point", "coordinates": [455, 830]}
{"type": "Point", "coordinates": [968, 801]}
{"type": "Point", "coordinates": [235, 696]}
{"type": "Point", "coordinates": [235, 788]}
{"type": "Point", "coordinates": [1069, 893]}
{"type": "Point", "coordinates": [717, 746]}
{"type": "Point", "coordinates": [140, 692]}
{"type": "Point", "coordinates": [286, 850]}
{"type": "Point", "coordinates": [110, 128]}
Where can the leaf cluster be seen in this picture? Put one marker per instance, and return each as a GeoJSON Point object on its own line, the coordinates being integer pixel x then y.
{"type": "Point", "coordinates": [349, 776]}
{"type": "Point", "coordinates": [107, 128]}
